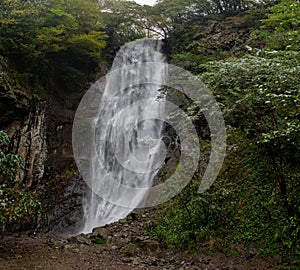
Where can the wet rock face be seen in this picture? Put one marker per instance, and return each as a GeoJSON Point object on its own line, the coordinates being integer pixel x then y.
{"type": "Point", "coordinates": [30, 140]}
{"type": "Point", "coordinates": [64, 213]}
{"type": "Point", "coordinates": [25, 122]}
{"type": "Point", "coordinates": [60, 121]}
{"type": "Point", "coordinates": [41, 133]}
{"type": "Point", "coordinates": [40, 128]}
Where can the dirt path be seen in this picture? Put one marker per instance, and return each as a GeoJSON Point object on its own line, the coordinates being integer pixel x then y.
{"type": "Point", "coordinates": [127, 247]}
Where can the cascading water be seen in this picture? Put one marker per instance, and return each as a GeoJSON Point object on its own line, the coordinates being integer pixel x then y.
{"type": "Point", "coordinates": [127, 134]}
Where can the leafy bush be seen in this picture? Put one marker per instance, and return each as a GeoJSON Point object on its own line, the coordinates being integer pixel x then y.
{"type": "Point", "coordinates": [15, 204]}
{"type": "Point", "coordinates": [256, 198]}
{"type": "Point", "coordinates": [281, 27]}
{"type": "Point", "coordinates": [192, 218]}
{"type": "Point", "coordinates": [98, 240]}
{"type": "Point", "coordinates": [10, 163]}
{"type": "Point", "coordinates": [260, 97]}
{"type": "Point", "coordinates": [261, 101]}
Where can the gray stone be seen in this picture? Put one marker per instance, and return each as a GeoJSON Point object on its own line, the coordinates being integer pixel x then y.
{"type": "Point", "coordinates": [100, 232]}
{"type": "Point", "coordinates": [80, 239]}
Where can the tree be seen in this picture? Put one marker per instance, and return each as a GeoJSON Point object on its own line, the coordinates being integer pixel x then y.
{"type": "Point", "coordinates": [124, 22]}
{"type": "Point", "coordinates": [283, 22]}
{"type": "Point", "coordinates": [167, 13]}
{"type": "Point", "coordinates": [263, 104]}
{"type": "Point", "coordinates": [260, 100]}
{"type": "Point", "coordinates": [40, 37]}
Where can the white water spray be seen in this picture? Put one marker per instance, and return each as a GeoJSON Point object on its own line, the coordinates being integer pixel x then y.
{"type": "Point", "coordinates": [127, 134]}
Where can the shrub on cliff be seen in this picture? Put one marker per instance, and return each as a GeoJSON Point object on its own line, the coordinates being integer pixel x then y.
{"type": "Point", "coordinates": [15, 204]}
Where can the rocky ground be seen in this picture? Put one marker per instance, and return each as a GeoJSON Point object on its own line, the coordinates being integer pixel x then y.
{"type": "Point", "coordinates": [124, 245]}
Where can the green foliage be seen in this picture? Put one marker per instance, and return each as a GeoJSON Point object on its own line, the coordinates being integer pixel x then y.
{"type": "Point", "coordinates": [10, 163]}
{"type": "Point", "coordinates": [191, 218]}
{"type": "Point", "coordinates": [282, 26]}
{"type": "Point", "coordinates": [98, 240]}
{"type": "Point", "coordinates": [284, 16]}
{"type": "Point", "coordinates": [256, 198]}
{"type": "Point", "coordinates": [15, 205]}
{"type": "Point", "coordinates": [260, 97]}
{"type": "Point", "coordinates": [189, 61]}
{"type": "Point", "coordinates": [127, 20]}
{"type": "Point", "coordinates": [213, 37]}
{"type": "Point", "coordinates": [39, 38]}
{"type": "Point", "coordinates": [129, 249]}
{"type": "Point", "coordinates": [181, 10]}
{"type": "Point", "coordinates": [166, 14]}
{"type": "Point", "coordinates": [124, 21]}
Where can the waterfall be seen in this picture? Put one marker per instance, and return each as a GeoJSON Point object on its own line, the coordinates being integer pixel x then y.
{"type": "Point", "coordinates": [127, 134]}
